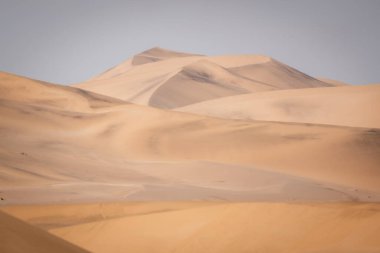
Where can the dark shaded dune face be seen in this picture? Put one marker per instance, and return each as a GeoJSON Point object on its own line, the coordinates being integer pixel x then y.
{"type": "Point", "coordinates": [96, 100]}
{"type": "Point", "coordinates": [370, 138]}
{"type": "Point", "coordinates": [279, 75]}
{"type": "Point", "coordinates": [143, 59]}
{"type": "Point", "coordinates": [17, 236]}
{"type": "Point", "coordinates": [207, 71]}
{"type": "Point", "coordinates": [201, 81]}
{"type": "Point", "coordinates": [188, 88]}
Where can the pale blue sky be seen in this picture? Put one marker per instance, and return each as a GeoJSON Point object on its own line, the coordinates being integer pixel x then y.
{"type": "Point", "coordinates": [70, 41]}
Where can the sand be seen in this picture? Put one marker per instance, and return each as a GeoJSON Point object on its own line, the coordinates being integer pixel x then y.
{"type": "Point", "coordinates": [332, 81]}
{"type": "Point", "coordinates": [212, 226]}
{"type": "Point", "coordinates": [354, 106]}
{"type": "Point", "coordinates": [58, 147]}
{"type": "Point", "coordinates": [177, 152]}
{"type": "Point", "coordinates": [240, 227]}
{"type": "Point", "coordinates": [172, 82]}
{"type": "Point", "coordinates": [18, 236]}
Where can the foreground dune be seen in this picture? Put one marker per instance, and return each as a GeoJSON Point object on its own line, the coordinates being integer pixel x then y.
{"type": "Point", "coordinates": [52, 216]}
{"type": "Point", "coordinates": [236, 228]}
{"type": "Point", "coordinates": [355, 106]}
{"type": "Point", "coordinates": [17, 236]}
{"type": "Point", "coordinates": [213, 226]}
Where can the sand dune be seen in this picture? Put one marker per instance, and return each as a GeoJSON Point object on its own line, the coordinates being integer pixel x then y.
{"type": "Point", "coordinates": [332, 81]}
{"type": "Point", "coordinates": [169, 79]}
{"type": "Point", "coordinates": [157, 54]}
{"type": "Point", "coordinates": [148, 56]}
{"type": "Point", "coordinates": [201, 81]}
{"type": "Point", "coordinates": [211, 226]}
{"type": "Point", "coordinates": [52, 216]}
{"type": "Point", "coordinates": [254, 156]}
{"type": "Point", "coordinates": [17, 236]}
{"type": "Point", "coordinates": [28, 91]}
{"type": "Point", "coordinates": [223, 227]}
{"type": "Point", "coordinates": [279, 75]}
{"type": "Point", "coordinates": [176, 82]}
{"type": "Point", "coordinates": [47, 151]}
{"type": "Point", "coordinates": [355, 106]}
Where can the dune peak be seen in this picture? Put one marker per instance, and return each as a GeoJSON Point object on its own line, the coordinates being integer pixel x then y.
{"type": "Point", "coordinates": [157, 54]}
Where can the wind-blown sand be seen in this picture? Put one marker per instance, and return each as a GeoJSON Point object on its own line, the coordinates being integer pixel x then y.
{"type": "Point", "coordinates": [247, 151]}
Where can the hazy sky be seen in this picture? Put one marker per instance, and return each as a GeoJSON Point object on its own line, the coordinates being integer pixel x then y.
{"type": "Point", "coordinates": [69, 41]}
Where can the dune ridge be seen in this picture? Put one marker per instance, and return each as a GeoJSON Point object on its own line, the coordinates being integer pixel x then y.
{"type": "Point", "coordinates": [210, 226]}
{"type": "Point", "coordinates": [148, 56]}
{"type": "Point", "coordinates": [223, 227]}
{"type": "Point", "coordinates": [279, 75]}
{"type": "Point", "coordinates": [157, 54]}
{"type": "Point", "coordinates": [19, 89]}
{"type": "Point", "coordinates": [229, 227]}
{"type": "Point", "coordinates": [354, 106]}
{"type": "Point", "coordinates": [137, 83]}
{"type": "Point", "coordinates": [201, 81]}
{"type": "Point", "coordinates": [18, 236]}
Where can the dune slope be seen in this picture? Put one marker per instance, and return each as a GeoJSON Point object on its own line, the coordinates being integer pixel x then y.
{"type": "Point", "coordinates": [236, 227]}
{"type": "Point", "coordinates": [28, 91]}
{"type": "Point", "coordinates": [157, 54]}
{"type": "Point", "coordinates": [17, 236]}
{"type": "Point", "coordinates": [148, 56]}
{"type": "Point", "coordinates": [161, 78]}
{"type": "Point", "coordinates": [212, 226]}
{"type": "Point", "coordinates": [201, 81]}
{"type": "Point", "coordinates": [279, 75]}
{"type": "Point", "coordinates": [129, 152]}
{"type": "Point", "coordinates": [355, 106]}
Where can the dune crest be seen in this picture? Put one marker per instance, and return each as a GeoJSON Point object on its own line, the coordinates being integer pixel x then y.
{"type": "Point", "coordinates": [137, 80]}
{"type": "Point", "coordinates": [28, 91]}
{"type": "Point", "coordinates": [200, 81]}
{"type": "Point", "coordinates": [17, 236]}
{"type": "Point", "coordinates": [157, 54]}
{"type": "Point", "coordinates": [279, 75]}
{"type": "Point", "coordinates": [148, 56]}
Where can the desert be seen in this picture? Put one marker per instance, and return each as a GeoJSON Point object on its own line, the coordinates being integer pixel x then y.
{"type": "Point", "coordinates": [180, 152]}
